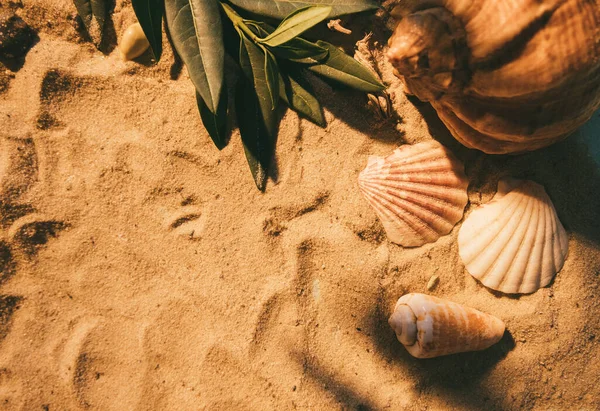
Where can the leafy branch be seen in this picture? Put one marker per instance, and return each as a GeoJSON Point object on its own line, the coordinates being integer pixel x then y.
{"type": "Point", "coordinates": [275, 62]}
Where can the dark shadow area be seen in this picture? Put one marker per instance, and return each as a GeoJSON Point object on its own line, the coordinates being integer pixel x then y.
{"type": "Point", "coordinates": [11, 212]}
{"type": "Point", "coordinates": [177, 65]}
{"type": "Point", "coordinates": [146, 59]}
{"type": "Point", "coordinates": [109, 39]}
{"type": "Point", "coordinates": [32, 235]}
{"type": "Point", "coordinates": [16, 39]}
{"type": "Point", "coordinates": [350, 107]}
{"type": "Point", "coordinates": [571, 175]}
{"type": "Point", "coordinates": [345, 395]}
{"type": "Point", "coordinates": [438, 130]}
{"type": "Point", "coordinates": [8, 305]}
{"type": "Point", "coordinates": [7, 263]}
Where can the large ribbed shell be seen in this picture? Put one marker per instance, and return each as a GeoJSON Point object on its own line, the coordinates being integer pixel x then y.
{"type": "Point", "coordinates": [419, 192]}
{"type": "Point", "coordinates": [442, 327]}
{"type": "Point", "coordinates": [515, 243]}
{"type": "Point", "coordinates": [504, 76]}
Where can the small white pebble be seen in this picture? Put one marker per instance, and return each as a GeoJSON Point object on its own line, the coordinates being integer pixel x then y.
{"type": "Point", "coordinates": [433, 281]}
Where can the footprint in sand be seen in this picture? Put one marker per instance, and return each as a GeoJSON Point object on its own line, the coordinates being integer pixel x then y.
{"type": "Point", "coordinates": [188, 222]}
{"type": "Point", "coordinates": [10, 384]}
{"type": "Point", "coordinates": [102, 362]}
{"type": "Point", "coordinates": [325, 320]}
{"type": "Point", "coordinates": [11, 391]}
{"type": "Point", "coordinates": [189, 369]}
{"type": "Point", "coordinates": [23, 229]}
{"type": "Point", "coordinates": [18, 173]}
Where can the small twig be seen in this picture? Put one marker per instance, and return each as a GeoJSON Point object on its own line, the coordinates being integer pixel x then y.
{"type": "Point", "coordinates": [336, 25]}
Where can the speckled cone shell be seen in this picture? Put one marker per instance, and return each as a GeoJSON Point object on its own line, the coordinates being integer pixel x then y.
{"type": "Point", "coordinates": [419, 192]}
{"type": "Point", "coordinates": [515, 243]}
{"type": "Point", "coordinates": [504, 76]}
{"type": "Point", "coordinates": [133, 43]}
{"type": "Point", "coordinates": [430, 327]}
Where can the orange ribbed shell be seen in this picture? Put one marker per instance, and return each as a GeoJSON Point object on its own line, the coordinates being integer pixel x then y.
{"type": "Point", "coordinates": [430, 327]}
{"type": "Point", "coordinates": [504, 76]}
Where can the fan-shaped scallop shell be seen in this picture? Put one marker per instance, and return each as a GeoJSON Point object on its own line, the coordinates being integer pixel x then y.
{"type": "Point", "coordinates": [515, 243]}
{"type": "Point", "coordinates": [419, 192]}
{"type": "Point", "coordinates": [430, 327]}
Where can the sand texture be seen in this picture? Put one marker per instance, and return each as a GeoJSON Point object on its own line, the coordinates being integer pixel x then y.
{"type": "Point", "coordinates": [142, 270]}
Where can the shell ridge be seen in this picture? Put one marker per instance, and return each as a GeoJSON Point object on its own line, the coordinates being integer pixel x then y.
{"type": "Point", "coordinates": [506, 252]}
{"type": "Point", "coordinates": [412, 208]}
{"type": "Point", "coordinates": [387, 219]}
{"type": "Point", "coordinates": [416, 197]}
{"type": "Point", "coordinates": [563, 241]}
{"type": "Point", "coordinates": [549, 267]}
{"type": "Point", "coordinates": [483, 238]}
{"type": "Point", "coordinates": [442, 191]}
{"type": "Point", "coordinates": [555, 250]}
{"type": "Point", "coordinates": [524, 248]}
{"type": "Point", "coordinates": [530, 278]}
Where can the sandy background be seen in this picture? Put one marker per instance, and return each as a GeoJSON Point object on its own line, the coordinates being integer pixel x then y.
{"type": "Point", "coordinates": [141, 268]}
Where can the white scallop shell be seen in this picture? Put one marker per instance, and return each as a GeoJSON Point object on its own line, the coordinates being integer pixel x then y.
{"type": "Point", "coordinates": [419, 192]}
{"type": "Point", "coordinates": [515, 243]}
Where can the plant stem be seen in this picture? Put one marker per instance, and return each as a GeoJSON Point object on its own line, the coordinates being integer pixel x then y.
{"type": "Point", "coordinates": [238, 22]}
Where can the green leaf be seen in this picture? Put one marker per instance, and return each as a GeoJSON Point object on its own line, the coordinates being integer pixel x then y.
{"type": "Point", "coordinates": [252, 62]}
{"type": "Point", "coordinates": [215, 124]}
{"type": "Point", "coordinates": [259, 145]}
{"type": "Point", "coordinates": [295, 24]}
{"type": "Point", "coordinates": [297, 94]}
{"type": "Point", "coordinates": [93, 13]}
{"type": "Point", "coordinates": [297, 49]}
{"type": "Point", "coordinates": [278, 9]}
{"type": "Point", "coordinates": [272, 75]}
{"type": "Point", "coordinates": [300, 49]}
{"type": "Point", "coordinates": [196, 30]}
{"type": "Point", "coordinates": [149, 13]}
{"type": "Point", "coordinates": [345, 70]}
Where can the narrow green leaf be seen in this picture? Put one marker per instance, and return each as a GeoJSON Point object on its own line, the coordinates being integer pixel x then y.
{"type": "Point", "coordinates": [259, 28]}
{"type": "Point", "coordinates": [296, 23]}
{"type": "Point", "coordinates": [272, 75]}
{"type": "Point", "coordinates": [252, 62]}
{"type": "Point", "coordinates": [300, 49]}
{"type": "Point", "coordinates": [258, 143]}
{"type": "Point", "coordinates": [344, 69]}
{"type": "Point", "coordinates": [196, 30]}
{"type": "Point", "coordinates": [215, 124]}
{"type": "Point", "coordinates": [278, 9]}
{"type": "Point", "coordinates": [93, 14]}
{"type": "Point", "coordinates": [297, 94]}
{"type": "Point", "coordinates": [297, 49]}
{"type": "Point", "coordinates": [149, 13]}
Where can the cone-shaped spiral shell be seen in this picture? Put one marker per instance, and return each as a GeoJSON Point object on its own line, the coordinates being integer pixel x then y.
{"type": "Point", "coordinates": [419, 192]}
{"type": "Point", "coordinates": [515, 243]}
{"type": "Point", "coordinates": [504, 76]}
{"type": "Point", "coordinates": [430, 327]}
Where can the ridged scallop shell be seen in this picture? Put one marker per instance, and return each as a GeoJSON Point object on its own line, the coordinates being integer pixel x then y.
{"type": "Point", "coordinates": [515, 243]}
{"type": "Point", "coordinates": [133, 43]}
{"type": "Point", "coordinates": [504, 76]}
{"type": "Point", "coordinates": [430, 327]}
{"type": "Point", "coordinates": [419, 192]}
